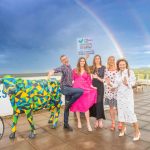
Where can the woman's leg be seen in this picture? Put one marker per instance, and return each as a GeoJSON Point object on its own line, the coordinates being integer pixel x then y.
{"type": "Point", "coordinates": [119, 126]}
{"type": "Point", "coordinates": [119, 123]}
{"type": "Point", "coordinates": [112, 115]}
{"type": "Point", "coordinates": [100, 108]}
{"type": "Point", "coordinates": [78, 119]}
{"type": "Point", "coordinates": [87, 116]}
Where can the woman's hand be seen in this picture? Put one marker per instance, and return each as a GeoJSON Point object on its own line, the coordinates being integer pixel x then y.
{"type": "Point", "coordinates": [125, 81]}
{"type": "Point", "coordinates": [98, 78]}
{"type": "Point", "coordinates": [73, 82]}
{"type": "Point", "coordinates": [113, 89]}
{"type": "Point", "coordinates": [107, 80]}
{"type": "Point", "coordinates": [95, 76]}
{"type": "Point", "coordinates": [93, 87]}
{"type": "Point", "coordinates": [50, 73]}
{"type": "Point", "coordinates": [87, 56]}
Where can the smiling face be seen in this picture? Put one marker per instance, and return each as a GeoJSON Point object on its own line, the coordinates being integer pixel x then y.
{"type": "Point", "coordinates": [64, 60]}
{"type": "Point", "coordinates": [97, 60]}
{"type": "Point", "coordinates": [82, 62]}
{"type": "Point", "coordinates": [82, 65]}
{"type": "Point", "coordinates": [122, 65]}
{"type": "Point", "coordinates": [111, 61]}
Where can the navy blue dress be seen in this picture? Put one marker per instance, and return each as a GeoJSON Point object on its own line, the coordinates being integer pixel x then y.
{"type": "Point", "coordinates": [97, 110]}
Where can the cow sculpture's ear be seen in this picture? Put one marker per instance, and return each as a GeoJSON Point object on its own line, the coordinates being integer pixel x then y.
{"type": "Point", "coordinates": [9, 79]}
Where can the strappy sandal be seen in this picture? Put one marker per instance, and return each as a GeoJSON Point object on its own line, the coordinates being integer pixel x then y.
{"type": "Point", "coordinates": [112, 128]}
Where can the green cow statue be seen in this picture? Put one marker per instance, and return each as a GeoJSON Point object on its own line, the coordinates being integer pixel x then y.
{"type": "Point", "coordinates": [27, 96]}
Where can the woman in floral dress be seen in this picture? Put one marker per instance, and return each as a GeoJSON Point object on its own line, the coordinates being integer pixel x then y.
{"type": "Point", "coordinates": [110, 95]}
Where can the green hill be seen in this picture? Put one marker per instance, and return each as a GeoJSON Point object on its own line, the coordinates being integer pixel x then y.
{"type": "Point", "coordinates": [142, 73]}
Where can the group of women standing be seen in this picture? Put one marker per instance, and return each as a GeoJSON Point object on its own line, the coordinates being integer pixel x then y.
{"type": "Point", "coordinates": [111, 85]}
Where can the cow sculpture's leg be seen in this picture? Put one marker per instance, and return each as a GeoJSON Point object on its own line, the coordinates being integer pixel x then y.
{"type": "Point", "coordinates": [57, 112]}
{"type": "Point", "coordinates": [52, 111]}
{"type": "Point", "coordinates": [30, 120]}
{"type": "Point", "coordinates": [14, 123]}
{"type": "Point", "coordinates": [55, 118]}
{"type": "Point", "coordinates": [52, 119]}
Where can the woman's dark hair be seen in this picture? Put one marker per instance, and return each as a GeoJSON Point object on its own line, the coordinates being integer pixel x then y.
{"type": "Point", "coordinates": [127, 65]}
{"type": "Point", "coordinates": [94, 64]}
{"type": "Point", "coordinates": [86, 67]}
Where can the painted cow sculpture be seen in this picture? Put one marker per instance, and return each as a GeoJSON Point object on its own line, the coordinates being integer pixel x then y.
{"type": "Point", "coordinates": [27, 96]}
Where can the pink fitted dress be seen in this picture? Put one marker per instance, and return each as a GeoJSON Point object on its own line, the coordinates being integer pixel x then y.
{"type": "Point", "coordinates": [89, 96]}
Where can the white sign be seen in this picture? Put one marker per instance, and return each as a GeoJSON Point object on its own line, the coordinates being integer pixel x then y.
{"type": "Point", "coordinates": [5, 105]}
{"type": "Point", "coordinates": [84, 46]}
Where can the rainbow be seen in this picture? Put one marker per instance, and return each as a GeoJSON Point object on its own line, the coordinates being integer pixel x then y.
{"type": "Point", "coordinates": [109, 33]}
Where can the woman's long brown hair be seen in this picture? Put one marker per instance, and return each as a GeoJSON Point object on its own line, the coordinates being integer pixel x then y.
{"type": "Point", "coordinates": [94, 64]}
{"type": "Point", "coordinates": [86, 67]}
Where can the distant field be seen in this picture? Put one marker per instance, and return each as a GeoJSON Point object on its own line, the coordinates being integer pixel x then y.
{"type": "Point", "coordinates": [142, 73]}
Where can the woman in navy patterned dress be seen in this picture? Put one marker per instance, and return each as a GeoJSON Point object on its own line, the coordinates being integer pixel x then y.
{"type": "Point", "coordinates": [97, 110]}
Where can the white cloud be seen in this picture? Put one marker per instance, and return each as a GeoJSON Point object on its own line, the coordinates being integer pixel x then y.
{"type": "Point", "coordinates": [147, 52]}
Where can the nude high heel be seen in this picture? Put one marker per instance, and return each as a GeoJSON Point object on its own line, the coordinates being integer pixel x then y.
{"type": "Point", "coordinates": [100, 124]}
{"type": "Point", "coordinates": [137, 138]}
{"type": "Point", "coordinates": [123, 132]}
{"type": "Point", "coordinates": [89, 128]}
{"type": "Point", "coordinates": [96, 124]}
{"type": "Point", "coordinates": [79, 125]}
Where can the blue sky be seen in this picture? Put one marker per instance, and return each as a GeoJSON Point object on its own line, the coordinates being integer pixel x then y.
{"type": "Point", "coordinates": [34, 33]}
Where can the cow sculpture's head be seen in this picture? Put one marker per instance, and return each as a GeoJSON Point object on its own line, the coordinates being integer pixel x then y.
{"type": "Point", "coordinates": [9, 83]}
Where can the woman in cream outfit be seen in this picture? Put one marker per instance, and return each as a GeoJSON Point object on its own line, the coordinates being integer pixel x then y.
{"type": "Point", "coordinates": [124, 81]}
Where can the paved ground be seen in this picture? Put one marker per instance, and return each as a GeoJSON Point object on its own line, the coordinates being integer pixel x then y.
{"type": "Point", "coordinates": [80, 139]}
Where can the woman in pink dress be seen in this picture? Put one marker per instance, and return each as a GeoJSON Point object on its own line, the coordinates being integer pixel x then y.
{"type": "Point", "coordinates": [82, 79]}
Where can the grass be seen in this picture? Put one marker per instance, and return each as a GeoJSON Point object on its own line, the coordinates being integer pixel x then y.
{"type": "Point", "coordinates": [142, 73]}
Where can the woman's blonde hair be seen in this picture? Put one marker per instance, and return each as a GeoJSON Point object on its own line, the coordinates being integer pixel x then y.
{"type": "Point", "coordinates": [108, 66]}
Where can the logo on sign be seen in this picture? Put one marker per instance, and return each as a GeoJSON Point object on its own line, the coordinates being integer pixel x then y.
{"type": "Point", "coordinates": [2, 93]}
{"type": "Point", "coordinates": [84, 46]}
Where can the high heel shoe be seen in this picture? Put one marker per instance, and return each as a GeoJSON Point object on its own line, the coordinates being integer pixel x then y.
{"type": "Point", "coordinates": [79, 125]}
{"type": "Point", "coordinates": [89, 128]}
{"type": "Point", "coordinates": [137, 137]}
{"type": "Point", "coordinates": [100, 123]}
{"type": "Point", "coordinates": [112, 128]}
{"type": "Point", "coordinates": [123, 132]}
{"type": "Point", "coordinates": [96, 124]}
